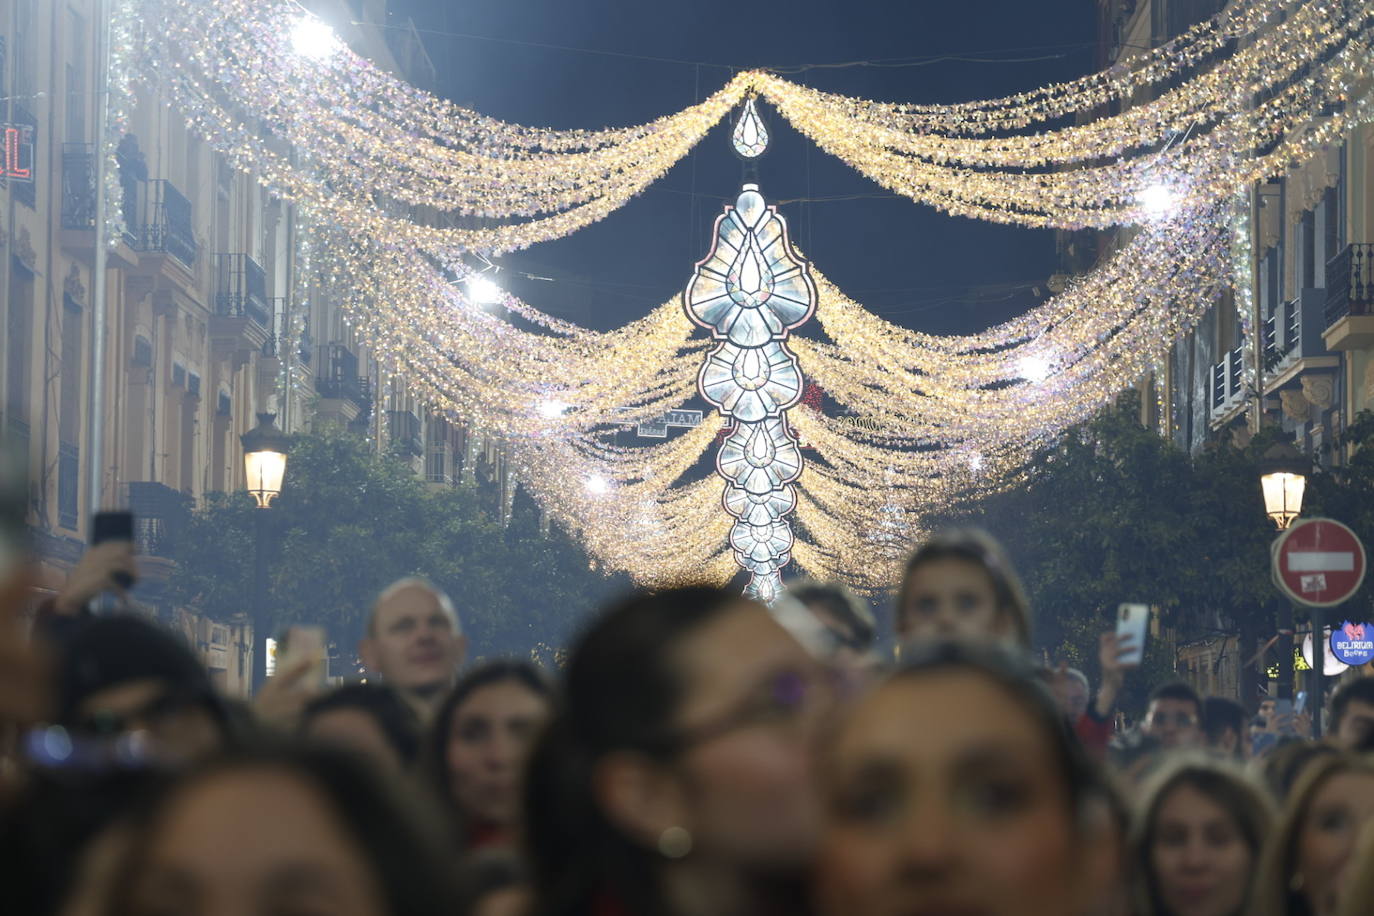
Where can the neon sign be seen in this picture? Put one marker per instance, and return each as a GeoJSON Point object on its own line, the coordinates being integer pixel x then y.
{"type": "Point", "coordinates": [18, 159]}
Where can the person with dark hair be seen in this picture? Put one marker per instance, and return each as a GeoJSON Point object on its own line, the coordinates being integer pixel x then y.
{"type": "Point", "coordinates": [1352, 713]}
{"type": "Point", "coordinates": [676, 777]}
{"type": "Point", "coordinates": [476, 749]}
{"type": "Point", "coordinates": [131, 700]}
{"type": "Point", "coordinates": [289, 829]}
{"type": "Point", "coordinates": [832, 621]}
{"type": "Point", "coordinates": [961, 584]}
{"type": "Point", "coordinates": [1224, 727]}
{"type": "Point", "coordinates": [369, 719]}
{"type": "Point", "coordinates": [1173, 717]}
{"type": "Point", "coordinates": [957, 786]}
{"type": "Point", "coordinates": [1197, 840]}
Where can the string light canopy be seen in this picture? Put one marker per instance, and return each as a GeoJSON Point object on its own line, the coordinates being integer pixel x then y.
{"type": "Point", "coordinates": [399, 190]}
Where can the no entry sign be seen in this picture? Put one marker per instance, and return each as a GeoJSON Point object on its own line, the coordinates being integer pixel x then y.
{"type": "Point", "coordinates": [1318, 562]}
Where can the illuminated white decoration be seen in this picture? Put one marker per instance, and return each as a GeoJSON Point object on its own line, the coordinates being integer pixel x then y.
{"type": "Point", "coordinates": [750, 292]}
{"type": "Point", "coordinates": [750, 137]}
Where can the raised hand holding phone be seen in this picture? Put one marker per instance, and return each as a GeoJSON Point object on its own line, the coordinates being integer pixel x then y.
{"type": "Point", "coordinates": [1131, 621]}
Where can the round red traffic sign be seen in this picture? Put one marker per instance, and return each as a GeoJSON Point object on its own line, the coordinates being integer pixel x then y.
{"type": "Point", "coordinates": [1318, 562]}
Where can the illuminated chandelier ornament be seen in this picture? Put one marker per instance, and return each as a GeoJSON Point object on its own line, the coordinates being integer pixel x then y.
{"type": "Point", "coordinates": [751, 291]}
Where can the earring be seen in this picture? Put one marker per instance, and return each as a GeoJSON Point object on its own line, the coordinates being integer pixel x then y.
{"type": "Point", "coordinates": [1295, 883]}
{"type": "Point", "coordinates": [674, 843]}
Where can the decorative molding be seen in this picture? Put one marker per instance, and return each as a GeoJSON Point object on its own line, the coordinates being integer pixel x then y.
{"type": "Point", "coordinates": [1319, 390]}
{"type": "Point", "coordinates": [1295, 406]}
{"type": "Point", "coordinates": [72, 286]}
{"type": "Point", "coordinates": [24, 253]}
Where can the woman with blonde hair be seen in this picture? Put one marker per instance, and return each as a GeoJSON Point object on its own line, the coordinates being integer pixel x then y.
{"type": "Point", "coordinates": [1197, 839]}
{"type": "Point", "coordinates": [1308, 862]}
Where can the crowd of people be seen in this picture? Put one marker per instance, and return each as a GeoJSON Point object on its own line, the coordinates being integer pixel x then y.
{"type": "Point", "coordinates": [699, 754]}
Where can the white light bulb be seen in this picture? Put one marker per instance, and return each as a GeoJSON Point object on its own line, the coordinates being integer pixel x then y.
{"type": "Point", "coordinates": [1034, 368]}
{"type": "Point", "coordinates": [550, 410]}
{"type": "Point", "coordinates": [596, 485]}
{"type": "Point", "coordinates": [1158, 200]}
{"type": "Point", "coordinates": [484, 291]}
{"type": "Point", "coordinates": [313, 40]}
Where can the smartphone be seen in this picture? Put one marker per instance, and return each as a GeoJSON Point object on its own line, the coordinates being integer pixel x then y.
{"type": "Point", "coordinates": [114, 526]}
{"type": "Point", "coordinates": [1131, 620]}
{"type": "Point", "coordinates": [1301, 705]}
{"type": "Point", "coordinates": [304, 642]}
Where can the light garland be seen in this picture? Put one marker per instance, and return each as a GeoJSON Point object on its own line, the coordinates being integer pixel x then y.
{"type": "Point", "coordinates": [400, 188]}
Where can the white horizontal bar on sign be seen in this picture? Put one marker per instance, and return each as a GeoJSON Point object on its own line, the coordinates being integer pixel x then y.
{"type": "Point", "coordinates": [1321, 561]}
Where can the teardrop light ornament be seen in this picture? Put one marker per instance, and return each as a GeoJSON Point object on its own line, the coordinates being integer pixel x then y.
{"type": "Point", "coordinates": [750, 137]}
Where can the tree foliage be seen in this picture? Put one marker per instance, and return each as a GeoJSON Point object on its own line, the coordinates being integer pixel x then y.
{"type": "Point", "coordinates": [1114, 513]}
{"type": "Point", "coordinates": [350, 521]}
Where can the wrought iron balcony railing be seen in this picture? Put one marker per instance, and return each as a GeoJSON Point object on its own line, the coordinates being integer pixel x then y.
{"type": "Point", "coordinates": [78, 186]}
{"type": "Point", "coordinates": [1350, 282]}
{"type": "Point", "coordinates": [160, 513]}
{"type": "Point", "coordinates": [161, 220]}
{"type": "Point", "coordinates": [241, 289]}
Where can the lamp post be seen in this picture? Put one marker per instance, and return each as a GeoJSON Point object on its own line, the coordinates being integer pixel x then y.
{"type": "Point", "coordinates": [264, 460]}
{"type": "Point", "coordinates": [1283, 480]}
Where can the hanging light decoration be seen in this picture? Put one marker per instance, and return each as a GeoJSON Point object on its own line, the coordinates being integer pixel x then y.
{"type": "Point", "coordinates": [1248, 94]}
{"type": "Point", "coordinates": [751, 291]}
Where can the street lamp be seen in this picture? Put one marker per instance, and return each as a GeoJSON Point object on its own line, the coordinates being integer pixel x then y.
{"type": "Point", "coordinates": [1283, 481]}
{"type": "Point", "coordinates": [264, 461]}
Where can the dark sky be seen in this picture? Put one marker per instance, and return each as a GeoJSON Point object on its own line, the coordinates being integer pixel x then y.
{"type": "Point", "coordinates": [910, 264]}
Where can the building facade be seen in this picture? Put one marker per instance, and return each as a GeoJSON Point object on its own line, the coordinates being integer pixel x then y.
{"type": "Point", "coordinates": [199, 291]}
{"type": "Point", "coordinates": [1312, 288]}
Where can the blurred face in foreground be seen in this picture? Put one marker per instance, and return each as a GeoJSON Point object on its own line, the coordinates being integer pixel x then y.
{"type": "Point", "coordinates": [945, 797]}
{"type": "Point", "coordinates": [1327, 837]}
{"type": "Point", "coordinates": [253, 842]}
{"type": "Point", "coordinates": [1200, 859]}
{"type": "Point", "coordinates": [747, 730]}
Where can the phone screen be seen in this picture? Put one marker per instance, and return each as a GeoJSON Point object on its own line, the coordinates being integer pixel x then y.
{"type": "Point", "coordinates": [1131, 620]}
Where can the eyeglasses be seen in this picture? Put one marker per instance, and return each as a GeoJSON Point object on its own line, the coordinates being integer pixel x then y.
{"type": "Point", "coordinates": [1181, 719]}
{"type": "Point", "coordinates": [784, 699]}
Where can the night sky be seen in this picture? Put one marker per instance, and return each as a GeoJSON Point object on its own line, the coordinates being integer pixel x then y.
{"type": "Point", "coordinates": [912, 265]}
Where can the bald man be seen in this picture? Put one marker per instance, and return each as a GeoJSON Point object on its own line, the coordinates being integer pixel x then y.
{"type": "Point", "coordinates": [415, 642]}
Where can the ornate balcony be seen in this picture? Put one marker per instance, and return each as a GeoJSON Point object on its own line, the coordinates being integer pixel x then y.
{"type": "Point", "coordinates": [344, 395]}
{"type": "Point", "coordinates": [1350, 298]}
{"type": "Point", "coordinates": [160, 220]}
{"type": "Point", "coordinates": [242, 322]}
